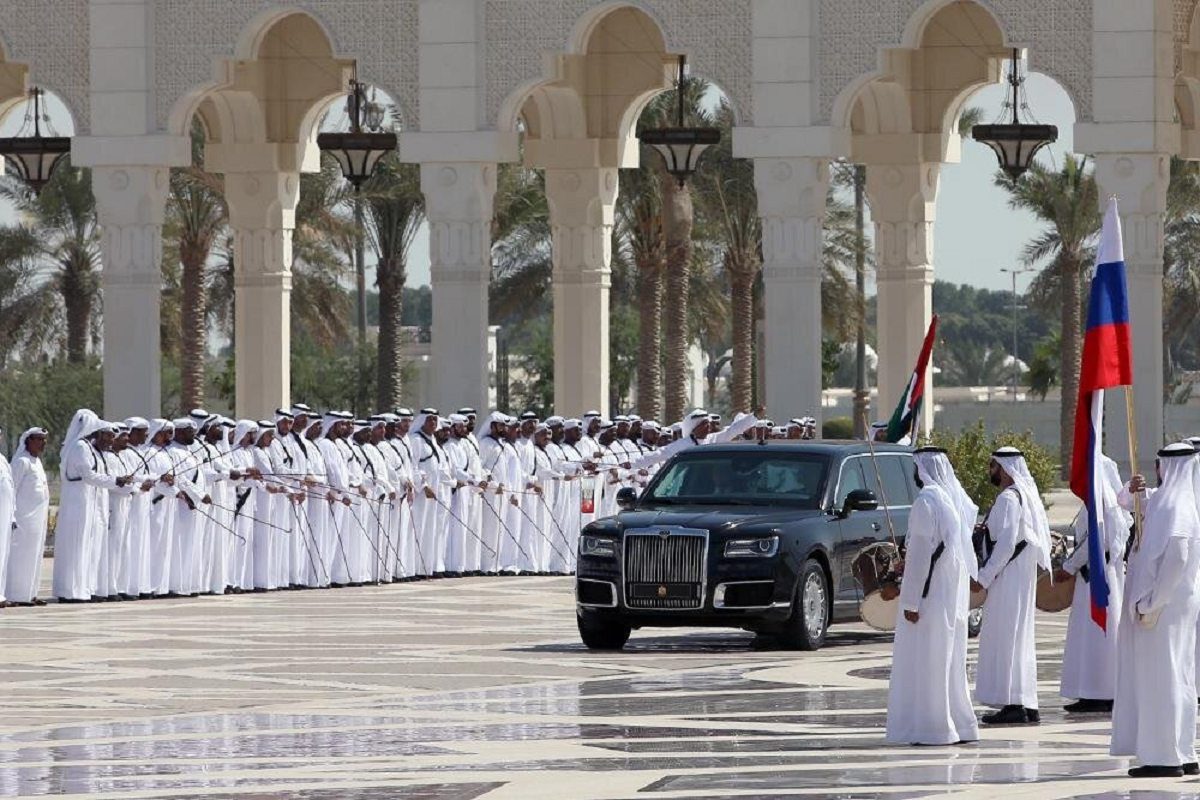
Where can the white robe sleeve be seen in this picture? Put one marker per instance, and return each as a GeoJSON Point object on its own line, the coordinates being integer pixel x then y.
{"type": "Point", "coordinates": [920, 544]}
{"type": "Point", "coordinates": [1170, 572]}
{"type": "Point", "coordinates": [1005, 525]}
{"type": "Point", "coordinates": [734, 430]}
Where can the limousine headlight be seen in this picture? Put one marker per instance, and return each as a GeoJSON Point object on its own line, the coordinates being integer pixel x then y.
{"type": "Point", "coordinates": [760, 547]}
{"type": "Point", "coordinates": [597, 546]}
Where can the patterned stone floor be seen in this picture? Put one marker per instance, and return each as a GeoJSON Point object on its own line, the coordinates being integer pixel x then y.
{"type": "Point", "coordinates": [479, 688]}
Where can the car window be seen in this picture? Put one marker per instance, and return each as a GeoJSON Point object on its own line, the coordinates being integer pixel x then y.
{"type": "Point", "coordinates": [738, 477]}
{"type": "Point", "coordinates": [852, 480]}
{"type": "Point", "coordinates": [895, 483]}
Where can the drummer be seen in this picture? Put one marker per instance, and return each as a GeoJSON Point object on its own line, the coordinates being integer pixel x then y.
{"type": "Point", "coordinates": [1089, 670]}
{"type": "Point", "coordinates": [1019, 535]}
{"type": "Point", "coordinates": [929, 701]}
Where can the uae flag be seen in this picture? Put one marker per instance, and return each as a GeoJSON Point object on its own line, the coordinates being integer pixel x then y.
{"type": "Point", "coordinates": [904, 420]}
{"type": "Point", "coordinates": [1107, 363]}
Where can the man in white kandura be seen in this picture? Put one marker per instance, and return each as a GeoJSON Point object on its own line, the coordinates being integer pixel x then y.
{"type": "Point", "coordinates": [1089, 668]}
{"type": "Point", "coordinates": [929, 701]}
{"type": "Point", "coordinates": [30, 516]}
{"type": "Point", "coordinates": [1019, 538]}
{"type": "Point", "coordinates": [1154, 712]}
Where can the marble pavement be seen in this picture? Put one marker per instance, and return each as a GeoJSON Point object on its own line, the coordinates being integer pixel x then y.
{"type": "Point", "coordinates": [479, 688]}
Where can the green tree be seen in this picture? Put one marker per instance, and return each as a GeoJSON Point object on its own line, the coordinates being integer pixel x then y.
{"type": "Point", "coordinates": [1066, 202]}
{"type": "Point", "coordinates": [639, 237]}
{"type": "Point", "coordinates": [970, 451]}
{"type": "Point", "coordinates": [27, 306]}
{"type": "Point", "coordinates": [196, 219]}
{"type": "Point", "coordinates": [395, 209]}
{"type": "Point", "coordinates": [64, 217]}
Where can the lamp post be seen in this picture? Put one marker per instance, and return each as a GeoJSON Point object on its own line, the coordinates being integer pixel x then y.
{"type": "Point", "coordinates": [681, 147]}
{"type": "Point", "coordinates": [357, 153]}
{"type": "Point", "coordinates": [1016, 308]}
{"type": "Point", "coordinates": [35, 157]}
{"type": "Point", "coordinates": [1015, 143]}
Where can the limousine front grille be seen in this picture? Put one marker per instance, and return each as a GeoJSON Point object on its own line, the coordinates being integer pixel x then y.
{"type": "Point", "coordinates": [665, 569]}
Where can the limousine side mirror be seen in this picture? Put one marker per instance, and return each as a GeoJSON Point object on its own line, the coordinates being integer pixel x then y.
{"type": "Point", "coordinates": [626, 498]}
{"type": "Point", "coordinates": [857, 500]}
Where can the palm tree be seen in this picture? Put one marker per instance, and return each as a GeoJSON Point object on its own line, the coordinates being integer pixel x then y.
{"type": "Point", "coordinates": [196, 219]}
{"type": "Point", "coordinates": [1181, 258]}
{"type": "Point", "coordinates": [1066, 201]}
{"type": "Point", "coordinates": [395, 209]}
{"type": "Point", "coordinates": [678, 221]}
{"type": "Point", "coordinates": [729, 198]}
{"type": "Point", "coordinates": [64, 216]}
{"type": "Point", "coordinates": [27, 307]}
{"type": "Point", "coordinates": [640, 241]}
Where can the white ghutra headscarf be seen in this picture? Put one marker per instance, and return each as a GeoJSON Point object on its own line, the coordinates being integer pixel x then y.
{"type": "Point", "coordinates": [1033, 514]}
{"type": "Point", "coordinates": [934, 469]}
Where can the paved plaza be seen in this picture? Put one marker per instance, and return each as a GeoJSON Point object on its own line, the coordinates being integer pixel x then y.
{"type": "Point", "coordinates": [480, 688]}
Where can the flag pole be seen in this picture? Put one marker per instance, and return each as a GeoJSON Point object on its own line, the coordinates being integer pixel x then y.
{"type": "Point", "coordinates": [1133, 466]}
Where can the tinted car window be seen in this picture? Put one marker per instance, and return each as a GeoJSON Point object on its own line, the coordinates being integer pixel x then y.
{"type": "Point", "coordinates": [767, 478]}
{"type": "Point", "coordinates": [852, 480]}
{"type": "Point", "coordinates": [895, 483]}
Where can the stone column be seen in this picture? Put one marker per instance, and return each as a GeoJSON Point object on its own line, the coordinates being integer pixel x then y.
{"type": "Point", "coordinates": [582, 203]}
{"type": "Point", "coordinates": [458, 206]}
{"type": "Point", "coordinates": [262, 215]}
{"type": "Point", "coordinates": [1139, 181]}
{"type": "Point", "coordinates": [130, 203]}
{"type": "Point", "coordinates": [903, 201]}
{"type": "Point", "coordinates": [791, 202]}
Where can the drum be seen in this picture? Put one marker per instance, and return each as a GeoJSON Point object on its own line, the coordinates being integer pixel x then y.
{"type": "Point", "coordinates": [875, 570]}
{"type": "Point", "coordinates": [978, 598]}
{"type": "Point", "coordinates": [1054, 596]}
{"type": "Point", "coordinates": [879, 613]}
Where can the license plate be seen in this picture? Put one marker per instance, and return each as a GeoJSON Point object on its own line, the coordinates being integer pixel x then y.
{"type": "Point", "coordinates": [663, 591]}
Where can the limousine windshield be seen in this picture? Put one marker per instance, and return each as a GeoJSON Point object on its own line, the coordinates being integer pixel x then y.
{"type": "Point", "coordinates": [789, 479]}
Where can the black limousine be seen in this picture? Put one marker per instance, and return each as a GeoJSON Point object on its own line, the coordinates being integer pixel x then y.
{"type": "Point", "coordinates": [743, 535]}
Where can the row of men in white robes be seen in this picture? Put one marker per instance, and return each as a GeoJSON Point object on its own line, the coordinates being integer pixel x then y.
{"type": "Point", "coordinates": [204, 504]}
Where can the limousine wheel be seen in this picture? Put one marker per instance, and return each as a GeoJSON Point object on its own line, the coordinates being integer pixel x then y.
{"type": "Point", "coordinates": [602, 634]}
{"type": "Point", "coordinates": [809, 622]}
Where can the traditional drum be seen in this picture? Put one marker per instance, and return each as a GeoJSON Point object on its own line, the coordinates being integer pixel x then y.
{"type": "Point", "coordinates": [876, 570]}
{"type": "Point", "coordinates": [1055, 596]}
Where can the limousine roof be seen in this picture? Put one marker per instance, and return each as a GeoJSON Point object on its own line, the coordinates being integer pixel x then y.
{"type": "Point", "coordinates": [827, 447]}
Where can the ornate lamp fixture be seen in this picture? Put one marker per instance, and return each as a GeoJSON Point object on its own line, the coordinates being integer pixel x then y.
{"type": "Point", "coordinates": [359, 150]}
{"type": "Point", "coordinates": [1015, 143]}
{"type": "Point", "coordinates": [34, 157]}
{"type": "Point", "coordinates": [681, 147]}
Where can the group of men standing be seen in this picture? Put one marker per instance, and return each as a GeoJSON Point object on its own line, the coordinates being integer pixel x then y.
{"type": "Point", "coordinates": [209, 505]}
{"type": "Point", "coordinates": [1141, 663]}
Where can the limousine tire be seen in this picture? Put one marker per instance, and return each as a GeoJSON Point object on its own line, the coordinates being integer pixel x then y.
{"type": "Point", "coordinates": [600, 634]}
{"type": "Point", "coordinates": [809, 622]}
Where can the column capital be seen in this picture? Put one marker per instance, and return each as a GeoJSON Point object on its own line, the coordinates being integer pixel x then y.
{"type": "Point", "coordinates": [1140, 182]}
{"type": "Point", "coordinates": [791, 187]}
{"type": "Point", "coordinates": [262, 200]}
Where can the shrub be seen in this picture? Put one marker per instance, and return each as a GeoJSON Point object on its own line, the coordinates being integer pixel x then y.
{"type": "Point", "coordinates": [970, 451]}
{"type": "Point", "coordinates": [838, 428]}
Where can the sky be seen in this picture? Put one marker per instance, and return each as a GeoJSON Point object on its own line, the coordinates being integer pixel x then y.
{"type": "Point", "coordinates": [976, 235]}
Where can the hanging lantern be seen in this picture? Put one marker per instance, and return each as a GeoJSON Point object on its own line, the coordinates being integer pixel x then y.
{"type": "Point", "coordinates": [681, 147]}
{"type": "Point", "coordinates": [359, 150]}
{"type": "Point", "coordinates": [34, 157]}
{"type": "Point", "coordinates": [1015, 143]}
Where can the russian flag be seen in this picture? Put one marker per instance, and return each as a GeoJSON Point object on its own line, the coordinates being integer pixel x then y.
{"type": "Point", "coordinates": [1107, 362]}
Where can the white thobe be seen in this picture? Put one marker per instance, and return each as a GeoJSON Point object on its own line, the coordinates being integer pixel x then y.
{"type": "Point", "coordinates": [336, 522]}
{"type": "Point", "coordinates": [261, 507]}
{"type": "Point", "coordinates": [1154, 711]}
{"type": "Point", "coordinates": [1089, 668]}
{"type": "Point", "coordinates": [403, 554]}
{"type": "Point", "coordinates": [313, 512]}
{"type": "Point", "coordinates": [375, 511]}
{"type": "Point", "coordinates": [160, 543]}
{"type": "Point", "coordinates": [494, 465]}
{"type": "Point", "coordinates": [132, 578]}
{"type": "Point", "coordinates": [929, 701]}
{"type": "Point", "coordinates": [1007, 671]}
{"type": "Point", "coordinates": [7, 506]}
{"type": "Point", "coordinates": [75, 532]}
{"type": "Point", "coordinates": [114, 552]}
{"type": "Point", "coordinates": [433, 471]}
{"type": "Point", "coordinates": [190, 523]}
{"type": "Point", "coordinates": [30, 517]}
{"type": "Point", "coordinates": [458, 540]}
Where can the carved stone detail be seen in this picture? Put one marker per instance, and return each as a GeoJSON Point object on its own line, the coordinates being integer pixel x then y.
{"type": "Point", "coordinates": [1057, 32]}
{"type": "Point", "coordinates": [52, 38]}
{"type": "Point", "coordinates": [191, 35]}
{"type": "Point", "coordinates": [715, 34]}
